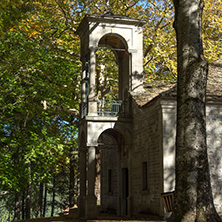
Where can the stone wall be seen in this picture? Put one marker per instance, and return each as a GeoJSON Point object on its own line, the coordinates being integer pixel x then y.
{"type": "Point", "coordinates": [154, 134]}
{"type": "Point", "coordinates": [147, 148]}
{"type": "Point", "coordinates": [109, 163]}
{"type": "Point", "coordinates": [153, 141]}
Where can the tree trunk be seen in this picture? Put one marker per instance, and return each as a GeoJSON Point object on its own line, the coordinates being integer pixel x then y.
{"type": "Point", "coordinates": [17, 206]}
{"type": "Point", "coordinates": [45, 201]}
{"type": "Point", "coordinates": [23, 205]}
{"type": "Point", "coordinates": [27, 204]}
{"type": "Point", "coordinates": [71, 179]}
{"type": "Point", "coordinates": [53, 198]}
{"type": "Point", "coordinates": [39, 213]}
{"type": "Point", "coordinates": [28, 197]}
{"type": "Point", "coordinates": [193, 195]}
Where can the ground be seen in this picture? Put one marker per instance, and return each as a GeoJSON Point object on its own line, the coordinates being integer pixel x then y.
{"type": "Point", "coordinates": [103, 217]}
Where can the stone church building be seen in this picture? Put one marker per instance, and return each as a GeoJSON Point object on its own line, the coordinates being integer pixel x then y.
{"type": "Point", "coordinates": [127, 147]}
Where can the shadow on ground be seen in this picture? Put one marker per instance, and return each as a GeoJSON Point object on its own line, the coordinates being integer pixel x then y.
{"type": "Point", "coordinates": [103, 217]}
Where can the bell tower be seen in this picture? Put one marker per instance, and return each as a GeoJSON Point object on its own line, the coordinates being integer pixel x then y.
{"type": "Point", "coordinates": [123, 36]}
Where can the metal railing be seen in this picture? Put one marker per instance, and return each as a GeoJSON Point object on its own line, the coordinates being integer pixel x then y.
{"type": "Point", "coordinates": [109, 108]}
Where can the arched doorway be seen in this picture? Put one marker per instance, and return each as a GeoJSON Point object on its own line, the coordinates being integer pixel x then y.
{"type": "Point", "coordinates": [112, 181]}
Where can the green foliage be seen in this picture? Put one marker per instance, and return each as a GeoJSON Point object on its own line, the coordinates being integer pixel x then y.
{"type": "Point", "coordinates": [107, 74]}
{"type": "Point", "coordinates": [40, 77]}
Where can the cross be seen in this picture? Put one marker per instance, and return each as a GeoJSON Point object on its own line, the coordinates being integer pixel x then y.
{"type": "Point", "coordinates": [107, 7]}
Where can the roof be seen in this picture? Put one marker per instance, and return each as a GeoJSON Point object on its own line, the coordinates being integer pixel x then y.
{"type": "Point", "coordinates": [166, 89]}
{"type": "Point", "coordinates": [153, 90]}
{"type": "Point", "coordinates": [214, 80]}
{"type": "Point", "coordinates": [112, 15]}
{"type": "Point", "coordinates": [108, 17]}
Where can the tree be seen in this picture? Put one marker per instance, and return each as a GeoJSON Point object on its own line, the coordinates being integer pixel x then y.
{"type": "Point", "coordinates": [39, 88]}
{"type": "Point", "coordinates": [40, 79]}
{"type": "Point", "coordinates": [106, 74]}
{"type": "Point", "coordinates": [193, 195]}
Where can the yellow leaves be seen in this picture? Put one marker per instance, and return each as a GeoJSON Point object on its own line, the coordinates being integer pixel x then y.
{"type": "Point", "coordinates": [159, 32]}
{"type": "Point", "coordinates": [212, 29]}
{"type": "Point", "coordinates": [161, 59]}
{"type": "Point", "coordinates": [60, 41]}
{"type": "Point", "coordinates": [44, 20]}
{"type": "Point", "coordinates": [31, 28]}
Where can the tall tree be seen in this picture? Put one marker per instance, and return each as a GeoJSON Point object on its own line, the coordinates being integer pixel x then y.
{"type": "Point", "coordinates": [17, 206]}
{"type": "Point", "coordinates": [39, 213]}
{"type": "Point", "coordinates": [40, 81]}
{"type": "Point", "coordinates": [45, 201]}
{"type": "Point", "coordinates": [193, 195]}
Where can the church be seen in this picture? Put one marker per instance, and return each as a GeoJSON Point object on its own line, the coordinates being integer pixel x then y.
{"type": "Point", "coordinates": [127, 146]}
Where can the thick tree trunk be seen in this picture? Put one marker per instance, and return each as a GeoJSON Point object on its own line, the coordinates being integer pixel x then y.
{"type": "Point", "coordinates": [17, 206]}
{"type": "Point", "coordinates": [39, 213]}
{"type": "Point", "coordinates": [193, 195]}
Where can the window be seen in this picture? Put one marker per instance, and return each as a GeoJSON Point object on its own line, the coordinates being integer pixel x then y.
{"type": "Point", "coordinates": [144, 176]}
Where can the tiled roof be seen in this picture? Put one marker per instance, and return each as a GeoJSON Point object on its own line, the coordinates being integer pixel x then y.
{"type": "Point", "coordinates": [214, 81]}
{"type": "Point", "coordinates": [154, 90]}
{"type": "Point", "coordinates": [168, 89]}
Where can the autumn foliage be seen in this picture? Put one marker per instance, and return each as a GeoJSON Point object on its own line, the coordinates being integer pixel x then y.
{"type": "Point", "coordinates": [40, 83]}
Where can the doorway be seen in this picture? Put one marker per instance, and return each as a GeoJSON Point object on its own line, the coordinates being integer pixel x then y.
{"type": "Point", "coordinates": [125, 190]}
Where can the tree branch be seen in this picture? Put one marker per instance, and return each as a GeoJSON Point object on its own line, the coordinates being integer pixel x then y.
{"type": "Point", "coordinates": [40, 71]}
{"type": "Point", "coordinates": [47, 105]}
{"type": "Point", "coordinates": [56, 46]}
{"type": "Point", "coordinates": [132, 5]}
{"type": "Point", "coordinates": [65, 58]}
{"type": "Point", "coordinates": [67, 18]}
{"type": "Point", "coordinates": [148, 49]}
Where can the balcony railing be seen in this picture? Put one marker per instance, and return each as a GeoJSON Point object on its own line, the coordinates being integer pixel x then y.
{"type": "Point", "coordinates": [109, 108]}
{"type": "Point", "coordinates": [105, 108]}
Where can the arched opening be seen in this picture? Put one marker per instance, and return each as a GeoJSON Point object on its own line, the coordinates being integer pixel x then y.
{"type": "Point", "coordinates": [108, 173]}
{"type": "Point", "coordinates": [112, 75]}
{"type": "Point", "coordinates": [106, 74]}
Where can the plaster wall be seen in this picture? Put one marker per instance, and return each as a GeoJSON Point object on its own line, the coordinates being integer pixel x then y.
{"type": "Point", "coordinates": [169, 137]}
{"type": "Point", "coordinates": [154, 137]}
{"type": "Point", "coordinates": [214, 145]}
{"type": "Point", "coordinates": [132, 36]}
{"type": "Point", "coordinates": [130, 33]}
